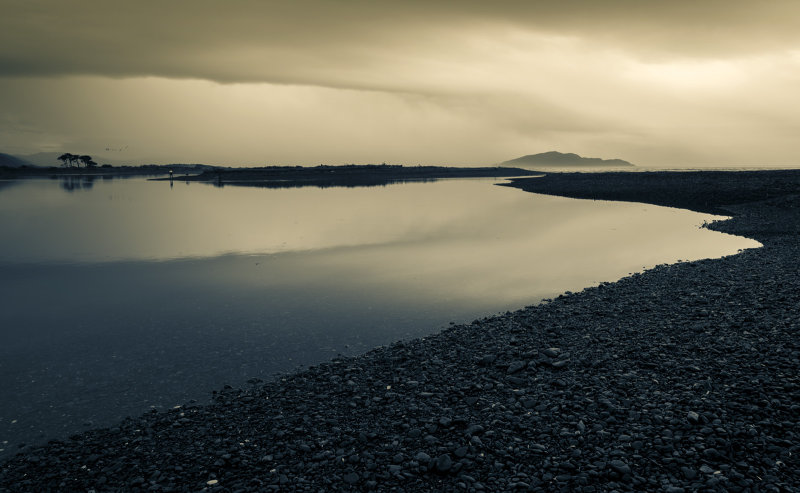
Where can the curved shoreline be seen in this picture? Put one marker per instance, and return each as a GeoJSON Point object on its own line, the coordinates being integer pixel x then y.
{"type": "Point", "coordinates": [685, 376]}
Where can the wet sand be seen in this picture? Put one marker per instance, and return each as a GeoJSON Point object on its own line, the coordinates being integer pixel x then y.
{"type": "Point", "coordinates": [683, 378]}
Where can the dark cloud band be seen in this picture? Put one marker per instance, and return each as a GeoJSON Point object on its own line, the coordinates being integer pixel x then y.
{"type": "Point", "coordinates": [332, 42]}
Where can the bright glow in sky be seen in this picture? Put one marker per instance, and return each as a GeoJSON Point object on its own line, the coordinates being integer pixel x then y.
{"type": "Point", "coordinates": [661, 84]}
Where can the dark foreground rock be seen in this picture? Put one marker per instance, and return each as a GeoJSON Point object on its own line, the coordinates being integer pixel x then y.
{"type": "Point", "coordinates": [684, 378]}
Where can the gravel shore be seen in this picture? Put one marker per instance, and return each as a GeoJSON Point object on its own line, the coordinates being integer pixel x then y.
{"type": "Point", "coordinates": [682, 378]}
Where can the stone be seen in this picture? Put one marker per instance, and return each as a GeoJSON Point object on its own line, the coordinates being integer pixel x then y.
{"type": "Point", "coordinates": [487, 359]}
{"type": "Point", "coordinates": [474, 430]}
{"type": "Point", "coordinates": [444, 463]}
{"type": "Point", "coordinates": [620, 467]}
{"type": "Point", "coordinates": [422, 458]}
{"type": "Point", "coordinates": [552, 352]}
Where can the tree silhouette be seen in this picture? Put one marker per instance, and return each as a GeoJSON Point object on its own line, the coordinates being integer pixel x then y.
{"type": "Point", "coordinates": [86, 160]}
{"type": "Point", "coordinates": [76, 160]}
{"type": "Point", "coordinates": [66, 157]}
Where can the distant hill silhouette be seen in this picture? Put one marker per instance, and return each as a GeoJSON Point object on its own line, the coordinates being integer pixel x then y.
{"type": "Point", "coordinates": [559, 159]}
{"type": "Point", "coordinates": [48, 159]}
{"type": "Point", "coordinates": [13, 161]}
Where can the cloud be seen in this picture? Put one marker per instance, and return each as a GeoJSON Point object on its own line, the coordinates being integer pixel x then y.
{"type": "Point", "coordinates": [167, 120]}
{"type": "Point", "coordinates": [358, 44]}
{"type": "Point", "coordinates": [469, 82]}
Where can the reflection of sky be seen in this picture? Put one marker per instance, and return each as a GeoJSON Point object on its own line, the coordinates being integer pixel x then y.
{"type": "Point", "coordinates": [336, 270]}
{"type": "Point", "coordinates": [462, 220]}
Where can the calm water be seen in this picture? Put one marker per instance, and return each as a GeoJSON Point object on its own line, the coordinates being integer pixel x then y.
{"type": "Point", "coordinates": [118, 295]}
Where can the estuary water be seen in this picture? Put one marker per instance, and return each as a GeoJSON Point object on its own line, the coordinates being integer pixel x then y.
{"type": "Point", "coordinates": [121, 295]}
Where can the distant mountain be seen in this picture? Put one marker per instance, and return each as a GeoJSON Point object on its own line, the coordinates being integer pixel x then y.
{"type": "Point", "coordinates": [42, 158]}
{"type": "Point", "coordinates": [555, 159]}
{"type": "Point", "coordinates": [13, 161]}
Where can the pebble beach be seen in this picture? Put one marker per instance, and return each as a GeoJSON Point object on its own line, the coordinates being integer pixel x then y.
{"type": "Point", "coordinates": [685, 377]}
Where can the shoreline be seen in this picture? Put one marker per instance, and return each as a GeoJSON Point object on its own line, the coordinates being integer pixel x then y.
{"type": "Point", "coordinates": [343, 176]}
{"type": "Point", "coordinates": [684, 376]}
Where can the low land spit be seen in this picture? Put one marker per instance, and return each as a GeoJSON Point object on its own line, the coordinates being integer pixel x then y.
{"type": "Point", "coordinates": [683, 378]}
{"type": "Point", "coordinates": [343, 176]}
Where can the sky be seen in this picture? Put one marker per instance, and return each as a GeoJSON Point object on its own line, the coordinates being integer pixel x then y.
{"type": "Point", "coordinates": [470, 82]}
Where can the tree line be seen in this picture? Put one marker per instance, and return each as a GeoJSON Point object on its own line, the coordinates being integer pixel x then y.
{"type": "Point", "coordinates": [76, 160]}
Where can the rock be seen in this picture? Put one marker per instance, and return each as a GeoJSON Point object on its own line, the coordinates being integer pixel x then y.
{"type": "Point", "coordinates": [516, 366]}
{"type": "Point", "coordinates": [474, 430]}
{"type": "Point", "coordinates": [693, 417]}
{"type": "Point", "coordinates": [422, 458]}
{"type": "Point", "coordinates": [351, 478]}
{"type": "Point", "coordinates": [444, 463]}
{"type": "Point", "coordinates": [552, 352]}
{"type": "Point", "coordinates": [619, 466]}
{"type": "Point", "coordinates": [487, 359]}
{"type": "Point", "coordinates": [706, 470]}
{"type": "Point", "coordinates": [517, 381]}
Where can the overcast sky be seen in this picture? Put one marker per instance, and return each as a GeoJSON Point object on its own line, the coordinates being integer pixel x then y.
{"type": "Point", "coordinates": [679, 83]}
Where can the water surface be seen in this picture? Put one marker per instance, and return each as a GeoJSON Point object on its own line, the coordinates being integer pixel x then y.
{"type": "Point", "coordinates": [118, 295]}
